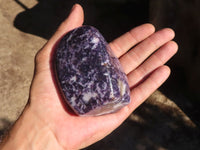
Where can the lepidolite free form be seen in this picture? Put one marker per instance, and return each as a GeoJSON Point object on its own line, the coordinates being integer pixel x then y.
{"type": "Point", "coordinates": [89, 75]}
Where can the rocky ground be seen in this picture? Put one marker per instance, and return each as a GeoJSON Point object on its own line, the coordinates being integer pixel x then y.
{"type": "Point", "coordinates": [167, 120]}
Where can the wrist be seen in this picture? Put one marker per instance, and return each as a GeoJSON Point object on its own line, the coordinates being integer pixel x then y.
{"type": "Point", "coordinates": [29, 132]}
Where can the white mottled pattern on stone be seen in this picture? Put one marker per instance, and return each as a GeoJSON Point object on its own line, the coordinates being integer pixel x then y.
{"type": "Point", "coordinates": [88, 74]}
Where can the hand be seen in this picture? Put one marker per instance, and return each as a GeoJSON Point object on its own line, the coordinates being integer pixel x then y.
{"type": "Point", "coordinates": [55, 125]}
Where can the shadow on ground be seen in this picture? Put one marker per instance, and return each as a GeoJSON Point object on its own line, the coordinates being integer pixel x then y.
{"type": "Point", "coordinates": [183, 85]}
{"type": "Point", "coordinates": [143, 131]}
{"type": "Point", "coordinates": [110, 17]}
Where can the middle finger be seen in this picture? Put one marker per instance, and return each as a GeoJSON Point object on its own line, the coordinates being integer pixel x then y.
{"type": "Point", "coordinates": [138, 54]}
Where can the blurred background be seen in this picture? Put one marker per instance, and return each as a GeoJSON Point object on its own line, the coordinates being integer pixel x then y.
{"type": "Point", "coordinates": [169, 119]}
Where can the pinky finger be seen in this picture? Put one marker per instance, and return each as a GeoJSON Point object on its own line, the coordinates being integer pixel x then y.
{"type": "Point", "coordinates": [141, 92]}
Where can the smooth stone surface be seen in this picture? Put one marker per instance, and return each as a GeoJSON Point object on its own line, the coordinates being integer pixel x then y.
{"type": "Point", "coordinates": [89, 76]}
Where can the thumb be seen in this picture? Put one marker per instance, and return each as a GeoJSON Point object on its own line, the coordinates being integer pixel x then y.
{"type": "Point", "coordinates": [74, 20]}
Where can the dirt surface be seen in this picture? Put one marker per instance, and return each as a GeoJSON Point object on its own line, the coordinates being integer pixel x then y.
{"type": "Point", "coordinates": [158, 124]}
{"type": "Point", "coordinates": [17, 52]}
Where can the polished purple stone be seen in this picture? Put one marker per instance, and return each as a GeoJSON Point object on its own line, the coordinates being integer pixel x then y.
{"type": "Point", "coordinates": [89, 76]}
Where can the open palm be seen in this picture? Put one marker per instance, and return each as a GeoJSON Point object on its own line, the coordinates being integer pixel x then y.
{"type": "Point", "coordinates": [142, 54]}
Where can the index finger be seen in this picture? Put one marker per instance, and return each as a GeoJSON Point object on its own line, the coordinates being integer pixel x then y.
{"type": "Point", "coordinates": [122, 44]}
